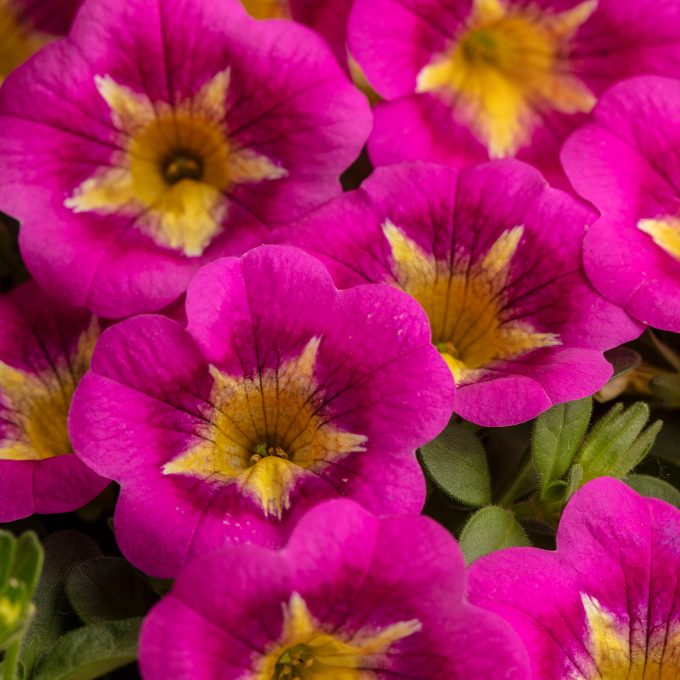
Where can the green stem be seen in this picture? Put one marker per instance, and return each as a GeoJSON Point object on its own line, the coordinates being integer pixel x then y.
{"type": "Point", "coordinates": [508, 497]}
{"type": "Point", "coordinates": [11, 660]}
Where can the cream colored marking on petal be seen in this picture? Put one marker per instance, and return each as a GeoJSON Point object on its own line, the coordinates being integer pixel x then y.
{"type": "Point", "coordinates": [328, 656]}
{"type": "Point", "coordinates": [665, 232]}
{"type": "Point", "coordinates": [465, 302]}
{"type": "Point", "coordinates": [37, 404]}
{"type": "Point", "coordinates": [279, 409]}
{"type": "Point", "coordinates": [507, 68]}
{"type": "Point", "coordinates": [176, 168]}
{"type": "Point", "coordinates": [617, 653]}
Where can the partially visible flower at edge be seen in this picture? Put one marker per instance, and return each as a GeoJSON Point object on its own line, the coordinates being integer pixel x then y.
{"type": "Point", "coordinates": [626, 163]}
{"type": "Point", "coordinates": [45, 349]}
{"type": "Point", "coordinates": [606, 603]}
{"type": "Point", "coordinates": [350, 597]}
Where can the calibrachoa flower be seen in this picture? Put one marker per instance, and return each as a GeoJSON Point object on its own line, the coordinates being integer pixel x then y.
{"type": "Point", "coordinates": [161, 135]}
{"type": "Point", "coordinates": [45, 349]}
{"type": "Point", "coordinates": [469, 79]}
{"type": "Point", "coordinates": [329, 18]}
{"type": "Point", "coordinates": [281, 392]}
{"type": "Point", "coordinates": [626, 163]}
{"type": "Point", "coordinates": [606, 604]}
{"type": "Point", "coordinates": [494, 257]}
{"type": "Point", "coordinates": [28, 25]}
{"type": "Point", "coordinates": [351, 597]}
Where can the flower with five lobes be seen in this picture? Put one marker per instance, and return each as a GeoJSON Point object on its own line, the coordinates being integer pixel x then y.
{"type": "Point", "coordinates": [45, 349]}
{"type": "Point", "coordinates": [466, 80]}
{"type": "Point", "coordinates": [161, 135]}
{"type": "Point", "coordinates": [626, 163]}
{"type": "Point", "coordinates": [28, 25]}
{"type": "Point", "coordinates": [606, 604]}
{"type": "Point", "coordinates": [281, 392]}
{"type": "Point", "coordinates": [494, 257]}
{"type": "Point", "coordinates": [351, 597]}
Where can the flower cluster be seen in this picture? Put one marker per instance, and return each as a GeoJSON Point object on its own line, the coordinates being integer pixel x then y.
{"type": "Point", "coordinates": [251, 330]}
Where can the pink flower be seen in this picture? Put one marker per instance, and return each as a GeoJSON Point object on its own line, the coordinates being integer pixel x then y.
{"type": "Point", "coordinates": [626, 163]}
{"type": "Point", "coordinates": [45, 349]}
{"type": "Point", "coordinates": [466, 80]}
{"type": "Point", "coordinates": [351, 596]}
{"type": "Point", "coordinates": [160, 136]}
{"type": "Point", "coordinates": [494, 257]}
{"type": "Point", "coordinates": [606, 604]}
{"type": "Point", "coordinates": [281, 392]}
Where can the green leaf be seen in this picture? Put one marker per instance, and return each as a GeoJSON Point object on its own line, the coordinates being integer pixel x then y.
{"type": "Point", "coordinates": [653, 487]}
{"type": "Point", "coordinates": [489, 529]}
{"type": "Point", "coordinates": [617, 443]}
{"type": "Point", "coordinates": [53, 614]}
{"type": "Point", "coordinates": [556, 438]}
{"type": "Point", "coordinates": [20, 567]}
{"type": "Point", "coordinates": [456, 462]}
{"type": "Point", "coordinates": [28, 562]}
{"type": "Point", "coordinates": [574, 481]}
{"type": "Point", "coordinates": [108, 589]}
{"type": "Point", "coordinates": [92, 651]}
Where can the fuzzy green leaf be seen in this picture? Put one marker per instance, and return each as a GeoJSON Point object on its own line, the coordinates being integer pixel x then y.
{"type": "Point", "coordinates": [20, 567]}
{"type": "Point", "coordinates": [617, 442]}
{"type": "Point", "coordinates": [489, 529]}
{"type": "Point", "coordinates": [108, 589]}
{"type": "Point", "coordinates": [456, 462]}
{"type": "Point", "coordinates": [92, 651]}
{"type": "Point", "coordinates": [63, 550]}
{"type": "Point", "coordinates": [556, 437]}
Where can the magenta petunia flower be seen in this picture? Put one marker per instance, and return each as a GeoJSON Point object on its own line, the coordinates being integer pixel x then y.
{"type": "Point", "coordinates": [281, 392]}
{"type": "Point", "coordinates": [161, 135]}
{"type": "Point", "coordinates": [494, 257]}
{"type": "Point", "coordinates": [626, 163]}
{"type": "Point", "coordinates": [329, 18]}
{"type": "Point", "coordinates": [45, 349]}
{"type": "Point", "coordinates": [351, 597]}
{"type": "Point", "coordinates": [28, 25]}
{"type": "Point", "coordinates": [467, 80]}
{"type": "Point", "coordinates": [606, 604]}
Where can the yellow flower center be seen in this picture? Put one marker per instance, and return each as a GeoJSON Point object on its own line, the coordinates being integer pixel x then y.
{"type": "Point", "coordinates": [466, 302]}
{"type": "Point", "coordinates": [266, 432]}
{"type": "Point", "coordinates": [308, 652]}
{"type": "Point", "coordinates": [18, 40]}
{"type": "Point", "coordinates": [267, 9]}
{"type": "Point", "coordinates": [510, 64]}
{"type": "Point", "coordinates": [623, 651]}
{"type": "Point", "coordinates": [36, 405]}
{"type": "Point", "coordinates": [665, 232]}
{"type": "Point", "coordinates": [176, 168]}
